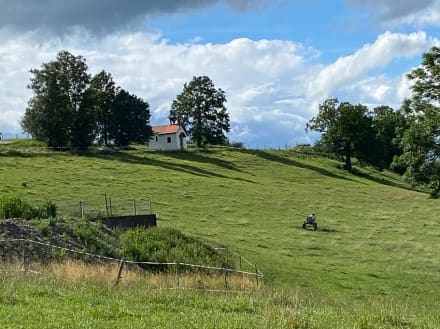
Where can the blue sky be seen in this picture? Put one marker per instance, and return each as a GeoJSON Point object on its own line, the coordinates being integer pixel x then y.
{"type": "Point", "coordinates": [276, 60]}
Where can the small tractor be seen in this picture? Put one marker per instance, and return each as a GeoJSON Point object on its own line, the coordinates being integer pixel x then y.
{"type": "Point", "coordinates": [310, 220]}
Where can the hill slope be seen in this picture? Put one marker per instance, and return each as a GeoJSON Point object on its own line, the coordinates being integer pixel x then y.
{"type": "Point", "coordinates": [376, 236]}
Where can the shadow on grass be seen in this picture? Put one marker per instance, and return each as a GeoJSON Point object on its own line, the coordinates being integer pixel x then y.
{"type": "Point", "coordinates": [175, 166]}
{"type": "Point", "coordinates": [324, 229]}
{"type": "Point", "coordinates": [385, 181]}
{"type": "Point", "coordinates": [282, 160]}
{"type": "Point", "coordinates": [327, 230]}
{"type": "Point", "coordinates": [197, 157]}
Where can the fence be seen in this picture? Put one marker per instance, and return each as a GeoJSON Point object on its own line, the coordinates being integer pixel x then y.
{"type": "Point", "coordinates": [180, 275]}
{"type": "Point", "coordinates": [107, 207]}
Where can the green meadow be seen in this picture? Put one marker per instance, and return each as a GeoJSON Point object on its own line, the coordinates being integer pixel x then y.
{"type": "Point", "coordinates": [373, 262]}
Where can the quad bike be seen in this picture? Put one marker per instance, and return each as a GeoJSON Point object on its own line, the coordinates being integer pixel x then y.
{"type": "Point", "coordinates": [310, 220]}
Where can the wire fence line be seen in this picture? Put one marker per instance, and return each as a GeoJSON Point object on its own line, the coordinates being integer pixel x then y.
{"type": "Point", "coordinates": [107, 207]}
{"type": "Point", "coordinates": [177, 269]}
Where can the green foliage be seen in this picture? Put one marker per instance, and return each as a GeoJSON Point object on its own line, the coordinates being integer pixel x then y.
{"type": "Point", "coordinates": [238, 145]}
{"type": "Point", "coordinates": [168, 245]}
{"type": "Point", "coordinates": [421, 141]}
{"type": "Point", "coordinates": [426, 78]}
{"type": "Point", "coordinates": [15, 207]}
{"type": "Point", "coordinates": [346, 130]}
{"type": "Point", "coordinates": [104, 89]}
{"type": "Point", "coordinates": [130, 120]}
{"type": "Point", "coordinates": [387, 124]}
{"type": "Point", "coordinates": [43, 228]}
{"type": "Point", "coordinates": [69, 109]}
{"type": "Point", "coordinates": [352, 131]}
{"type": "Point", "coordinates": [200, 109]}
{"type": "Point", "coordinates": [94, 237]}
{"type": "Point", "coordinates": [57, 106]}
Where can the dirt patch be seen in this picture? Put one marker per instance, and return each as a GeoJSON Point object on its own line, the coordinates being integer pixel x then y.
{"type": "Point", "coordinates": [41, 237]}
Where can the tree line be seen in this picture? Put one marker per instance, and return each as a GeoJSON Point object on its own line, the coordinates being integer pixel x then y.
{"type": "Point", "coordinates": [70, 108]}
{"type": "Point", "coordinates": [406, 141]}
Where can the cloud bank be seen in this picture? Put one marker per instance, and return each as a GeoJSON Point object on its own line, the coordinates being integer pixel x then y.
{"type": "Point", "coordinates": [273, 87]}
{"type": "Point", "coordinates": [418, 13]}
{"type": "Point", "coordinates": [100, 16]}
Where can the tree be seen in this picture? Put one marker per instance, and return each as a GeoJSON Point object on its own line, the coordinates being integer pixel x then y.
{"type": "Point", "coordinates": [129, 119]}
{"type": "Point", "coordinates": [85, 127]}
{"type": "Point", "coordinates": [54, 110]}
{"type": "Point", "coordinates": [104, 89]}
{"type": "Point", "coordinates": [201, 111]}
{"type": "Point", "coordinates": [421, 141]}
{"type": "Point", "coordinates": [387, 123]}
{"type": "Point", "coordinates": [346, 130]}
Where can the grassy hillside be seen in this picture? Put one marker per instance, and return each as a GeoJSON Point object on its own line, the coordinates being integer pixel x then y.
{"type": "Point", "coordinates": [377, 238]}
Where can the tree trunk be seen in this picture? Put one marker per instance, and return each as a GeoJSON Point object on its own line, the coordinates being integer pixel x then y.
{"type": "Point", "coordinates": [347, 165]}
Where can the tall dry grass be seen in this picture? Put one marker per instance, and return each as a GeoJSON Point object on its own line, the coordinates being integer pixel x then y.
{"type": "Point", "coordinates": [76, 271]}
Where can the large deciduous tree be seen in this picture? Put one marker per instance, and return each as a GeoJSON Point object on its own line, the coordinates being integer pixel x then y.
{"type": "Point", "coordinates": [103, 88]}
{"type": "Point", "coordinates": [421, 141]}
{"type": "Point", "coordinates": [346, 130]}
{"type": "Point", "coordinates": [70, 109]}
{"type": "Point", "coordinates": [57, 109]}
{"type": "Point", "coordinates": [200, 109]}
{"type": "Point", "coordinates": [129, 120]}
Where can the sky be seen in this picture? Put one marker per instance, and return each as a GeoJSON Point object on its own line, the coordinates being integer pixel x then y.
{"type": "Point", "coordinates": [276, 60]}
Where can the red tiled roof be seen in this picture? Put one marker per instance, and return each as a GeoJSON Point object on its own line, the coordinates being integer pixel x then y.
{"type": "Point", "coordinates": [166, 129]}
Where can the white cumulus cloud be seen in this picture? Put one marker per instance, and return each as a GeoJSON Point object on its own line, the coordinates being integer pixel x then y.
{"type": "Point", "coordinates": [273, 87]}
{"type": "Point", "coordinates": [387, 47]}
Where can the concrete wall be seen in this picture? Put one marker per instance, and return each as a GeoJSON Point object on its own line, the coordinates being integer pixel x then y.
{"type": "Point", "coordinates": [124, 222]}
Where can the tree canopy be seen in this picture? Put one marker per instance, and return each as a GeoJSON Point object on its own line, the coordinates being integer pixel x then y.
{"type": "Point", "coordinates": [387, 124]}
{"type": "Point", "coordinates": [129, 119]}
{"type": "Point", "coordinates": [105, 90]}
{"type": "Point", "coordinates": [201, 111]}
{"type": "Point", "coordinates": [53, 111]}
{"type": "Point", "coordinates": [421, 141]}
{"type": "Point", "coordinates": [407, 140]}
{"type": "Point", "coordinates": [346, 129]}
{"type": "Point", "coordinates": [71, 109]}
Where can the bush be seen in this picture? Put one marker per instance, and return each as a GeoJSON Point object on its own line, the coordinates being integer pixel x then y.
{"type": "Point", "coordinates": [168, 245]}
{"type": "Point", "coordinates": [14, 207]}
{"type": "Point", "coordinates": [47, 210]}
{"type": "Point", "coordinates": [239, 145]}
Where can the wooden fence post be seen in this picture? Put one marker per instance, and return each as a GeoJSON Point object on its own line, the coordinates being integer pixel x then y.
{"type": "Point", "coordinates": [120, 267]}
{"type": "Point", "coordinates": [106, 204]}
{"type": "Point", "coordinates": [226, 278]}
{"type": "Point", "coordinates": [177, 275]}
{"type": "Point", "coordinates": [24, 265]}
{"type": "Point", "coordinates": [81, 208]}
{"type": "Point", "coordinates": [256, 274]}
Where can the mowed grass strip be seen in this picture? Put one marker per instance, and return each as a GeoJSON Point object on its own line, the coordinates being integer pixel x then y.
{"type": "Point", "coordinates": [376, 238]}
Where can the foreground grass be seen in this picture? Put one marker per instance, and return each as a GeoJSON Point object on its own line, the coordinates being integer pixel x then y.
{"type": "Point", "coordinates": [376, 247]}
{"type": "Point", "coordinates": [36, 301]}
